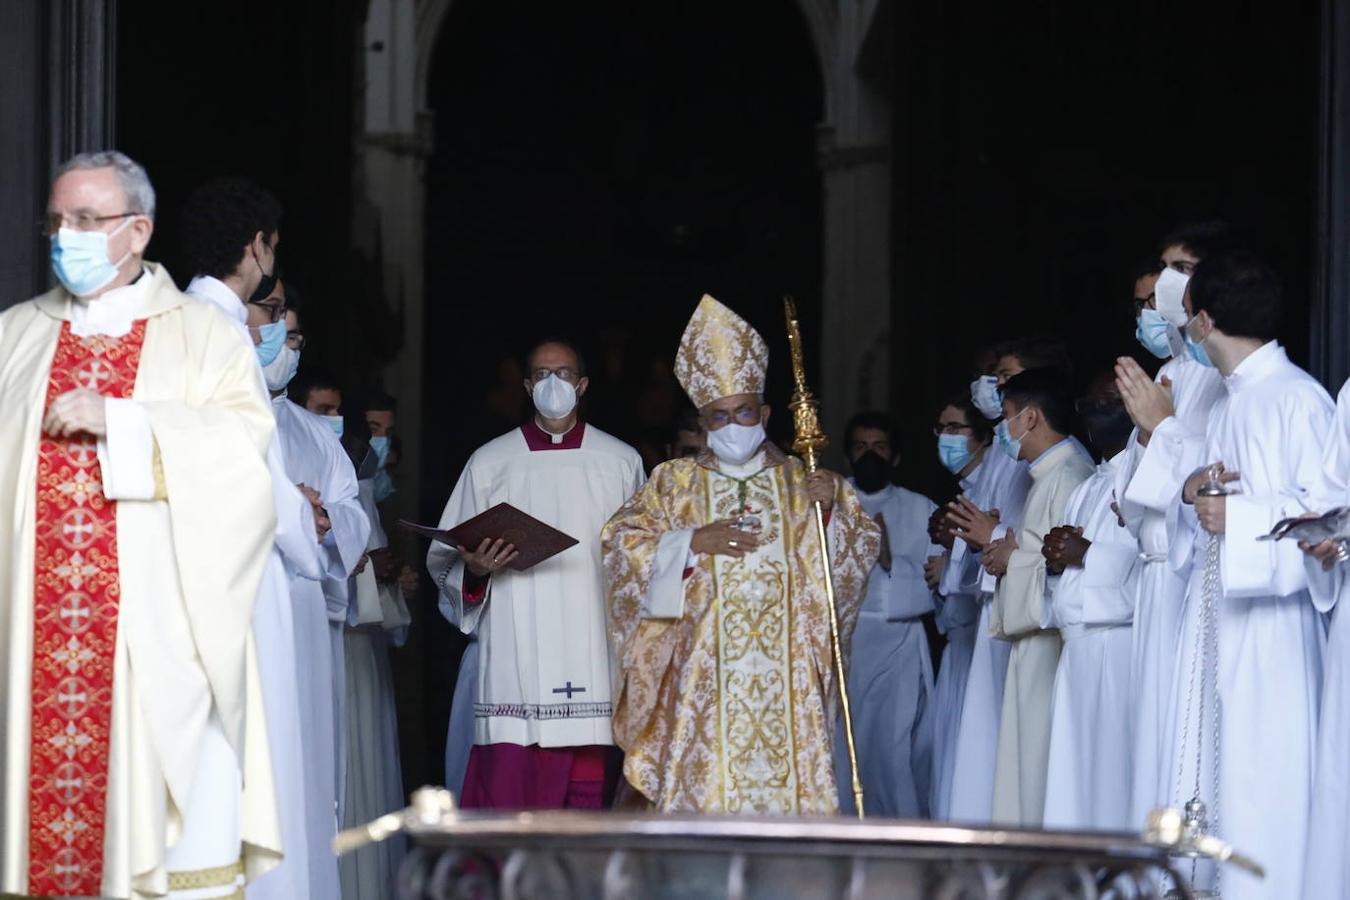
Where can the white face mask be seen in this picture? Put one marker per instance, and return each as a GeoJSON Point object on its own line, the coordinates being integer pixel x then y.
{"type": "Point", "coordinates": [279, 372]}
{"type": "Point", "coordinates": [1168, 291]}
{"type": "Point", "coordinates": [736, 444]}
{"type": "Point", "coordinates": [554, 398]}
{"type": "Point", "coordinates": [984, 393]}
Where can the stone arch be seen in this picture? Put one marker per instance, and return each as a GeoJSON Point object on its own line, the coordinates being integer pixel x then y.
{"type": "Point", "coordinates": [819, 15]}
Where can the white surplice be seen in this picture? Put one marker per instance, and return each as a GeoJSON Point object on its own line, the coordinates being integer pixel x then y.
{"type": "Point", "coordinates": [890, 674]}
{"type": "Point", "coordinates": [1327, 862]}
{"type": "Point", "coordinates": [1018, 615]}
{"type": "Point", "coordinates": [376, 618]}
{"type": "Point", "coordinates": [544, 673]}
{"type": "Point", "coordinates": [183, 460]}
{"type": "Point", "coordinates": [315, 458]}
{"type": "Point", "coordinates": [1002, 484]}
{"type": "Point", "coordinates": [957, 612]}
{"type": "Point", "coordinates": [1270, 427]}
{"type": "Point", "coordinates": [1088, 783]}
{"type": "Point", "coordinates": [289, 596]}
{"type": "Point", "coordinates": [1149, 487]}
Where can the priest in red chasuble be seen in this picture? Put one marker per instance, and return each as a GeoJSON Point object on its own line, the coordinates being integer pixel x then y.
{"type": "Point", "coordinates": [725, 697]}
{"type": "Point", "coordinates": [135, 520]}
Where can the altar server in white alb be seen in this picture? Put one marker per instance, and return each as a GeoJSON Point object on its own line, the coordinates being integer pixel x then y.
{"type": "Point", "coordinates": [1268, 434]}
{"type": "Point", "coordinates": [1092, 559]}
{"type": "Point", "coordinates": [229, 229]}
{"type": "Point", "coordinates": [963, 439]}
{"type": "Point", "coordinates": [890, 678]}
{"type": "Point", "coordinates": [1327, 866]}
{"type": "Point", "coordinates": [542, 717]}
{"type": "Point", "coordinates": [1037, 427]}
{"type": "Point", "coordinates": [318, 465]}
{"type": "Point", "coordinates": [1167, 445]}
{"type": "Point", "coordinates": [136, 517]}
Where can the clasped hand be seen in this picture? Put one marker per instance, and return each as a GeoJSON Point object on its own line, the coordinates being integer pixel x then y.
{"type": "Point", "coordinates": [970, 523]}
{"type": "Point", "coordinates": [723, 538]}
{"type": "Point", "coordinates": [997, 554]}
{"type": "Point", "coordinates": [80, 411]}
{"type": "Point", "coordinates": [1148, 402]}
{"type": "Point", "coordinates": [1064, 548]}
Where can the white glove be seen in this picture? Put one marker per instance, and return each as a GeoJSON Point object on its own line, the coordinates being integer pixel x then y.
{"type": "Point", "coordinates": [80, 411]}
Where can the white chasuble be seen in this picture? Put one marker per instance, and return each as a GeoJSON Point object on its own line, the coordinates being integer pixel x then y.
{"type": "Point", "coordinates": [727, 698]}
{"type": "Point", "coordinates": [1271, 427]}
{"type": "Point", "coordinates": [544, 674]}
{"type": "Point", "coordinates": [1018, 615]}
{"type": "Point", "coordinates": [183, 464]}
{"type": "Point", "coordinates": [1088, 786]}
{"type": "Point", "coordinates": [1147, 492]}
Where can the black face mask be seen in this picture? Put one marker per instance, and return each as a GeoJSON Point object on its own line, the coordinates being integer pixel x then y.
{"type": "Point", "coordinates": [872, 472]}
{"type": "Point", "coordinates": [1108, 427]}
{"type": "Point", "coordinates": [268, 283]}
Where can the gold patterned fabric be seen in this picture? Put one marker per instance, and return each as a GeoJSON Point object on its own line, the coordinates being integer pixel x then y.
{"type": "Point", "coordinates": [731, 707]}
{"type": "Point", "coordinates": [720, 355]}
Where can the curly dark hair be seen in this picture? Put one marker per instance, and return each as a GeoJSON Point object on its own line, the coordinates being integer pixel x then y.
{"type": "Point", "coordinates": [219, 220]}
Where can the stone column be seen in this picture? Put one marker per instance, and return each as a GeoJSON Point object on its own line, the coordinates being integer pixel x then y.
{"type": "Point", "coordinates": [855, 160]}
{"type": "Point", "coordinates": [56, 100]}
{"type": "Point", "coordinates": [387, 226]}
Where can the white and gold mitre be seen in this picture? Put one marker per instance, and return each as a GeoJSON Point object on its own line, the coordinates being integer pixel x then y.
{"type": "Point", "coordinates": [720, 355]}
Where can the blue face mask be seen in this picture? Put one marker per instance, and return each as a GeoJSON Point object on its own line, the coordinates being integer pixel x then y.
{"type": "Point", "coordinates": [335, 423]}
{"type": "Point", "coordinates": [80, 260]}
{"type": "Point", "coordinates": [381, 447]}
{"type": "Point", "coordinates": [1151, 332]}
{"type": "Point", "coordinates": [273, 339]}
{"type": "Point", "coordinates": [986, 396]}
{"type": "Point", "coordinates": [954, 452]}
{"type": "Point", "coordinates": [1011, 446]}
{"type": "Point", "coordinates": [1196, 348]}
{"type": "Point", "coordinates": [382, 486]}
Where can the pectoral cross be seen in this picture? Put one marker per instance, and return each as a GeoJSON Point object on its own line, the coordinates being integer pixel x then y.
{"type": "Point", "coordinates": [569, 690]}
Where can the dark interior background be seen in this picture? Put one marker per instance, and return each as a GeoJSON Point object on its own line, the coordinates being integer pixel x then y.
{"type": "Point", "coordinates": [1041, 149]}
{"type": "Point", "coordinates": [600, 165]}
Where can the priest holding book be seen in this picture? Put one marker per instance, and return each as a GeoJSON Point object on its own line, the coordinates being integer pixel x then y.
{"type": "Point", "coordinates": [542, 706]}
{"type": "Point", "coordinates": [719, 616]}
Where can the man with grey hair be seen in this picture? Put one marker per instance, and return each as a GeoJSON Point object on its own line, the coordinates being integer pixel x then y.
{"type": "Point", "coordinates": [135, 519]}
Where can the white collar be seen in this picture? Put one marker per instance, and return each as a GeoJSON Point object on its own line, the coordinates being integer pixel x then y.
{"type": "Point", "coordinates": [218, 293]}
{"type": "Point", "coordinates": [1257, 365]}
{"type": "Point", "coordinates": [110, 314]}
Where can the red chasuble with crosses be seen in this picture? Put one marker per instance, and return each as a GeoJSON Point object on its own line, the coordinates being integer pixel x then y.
{"type": "Point", "coordinates": [75, 607]}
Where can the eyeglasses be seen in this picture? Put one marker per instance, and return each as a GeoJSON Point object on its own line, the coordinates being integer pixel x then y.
{"type": "Point", "coordinates": [275, 311]}
{"type": "Point", "coordinates": [295, 340]}
{"type": "Point", "coordinates": [49, 225]}
{"type": "Point", "coordinates": [942, 428]}
{"type": "Point", "coordinates": [1142, 303]}
{"type": "Point", "coordinates": [566, 373]}
{"type": "Point", "coordinates": [745, 415]}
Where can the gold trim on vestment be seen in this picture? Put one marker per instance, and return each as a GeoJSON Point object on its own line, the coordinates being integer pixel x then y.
{"type": "Point", "coordinates": [220, 876]}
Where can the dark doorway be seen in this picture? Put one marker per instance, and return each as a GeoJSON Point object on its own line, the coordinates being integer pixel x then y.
{"type": "Point", "coordinates": [598, 167]}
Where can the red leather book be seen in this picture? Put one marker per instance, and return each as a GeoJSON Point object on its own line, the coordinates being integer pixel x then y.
{"type": "Point", "coordinates": [535, 540]}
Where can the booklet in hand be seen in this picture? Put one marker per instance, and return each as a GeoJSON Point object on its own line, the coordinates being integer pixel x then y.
{"type": "Point", "coordinates": [534, 540]}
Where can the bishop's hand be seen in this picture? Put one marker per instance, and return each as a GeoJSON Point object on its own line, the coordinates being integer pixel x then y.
{"type": "Point", "coordinates": [723, 538]}
{"type": "Point", "coordinates": [80, 411]}
{"type": "Point", "coordinates": [821, 486]}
